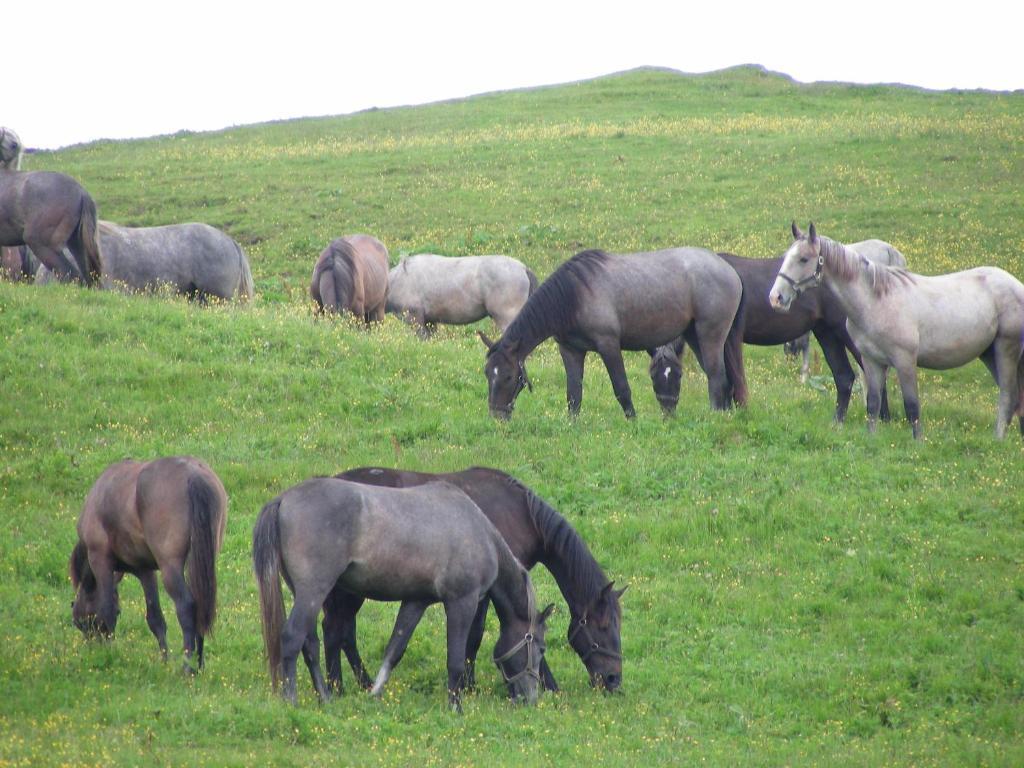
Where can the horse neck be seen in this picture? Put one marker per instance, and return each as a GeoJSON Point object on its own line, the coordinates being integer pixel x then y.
{"type": "Point", "coordinates": [578, 575]}
{"type": "Point", "coordinates": [511, 600]}
{"type": "Point", "coordinates": [851, 284]}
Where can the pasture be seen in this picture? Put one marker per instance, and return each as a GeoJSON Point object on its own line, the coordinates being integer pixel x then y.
{"type": "Point", "coordinates": [799, 594]}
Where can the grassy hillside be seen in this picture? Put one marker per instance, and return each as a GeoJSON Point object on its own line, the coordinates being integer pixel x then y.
{"type": "Point", "coordinates": [799, 594]}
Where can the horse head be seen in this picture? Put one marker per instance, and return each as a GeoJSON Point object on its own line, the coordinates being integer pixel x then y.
{"type": "Point", "coordinates": [506, 375]}
{"type": "Point", "coordinates": [595, 635]}
{"type": "Point", "coordinates": [801, 268]}
{"type": "Point", "coordinates": [521, 647]}
{"type": "Point", "coordinates": [666, 371]}
{"type": "Point", "coordinates": [10, 150]}
{"type": "Point", "coordinates": [85, 608]}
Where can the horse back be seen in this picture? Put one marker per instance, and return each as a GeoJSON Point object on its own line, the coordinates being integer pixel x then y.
{"type": "Point", "coordinates": [370, 264]}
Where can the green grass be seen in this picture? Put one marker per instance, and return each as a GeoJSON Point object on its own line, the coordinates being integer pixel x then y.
{"type": "Point", "coordinates": [799, 593]}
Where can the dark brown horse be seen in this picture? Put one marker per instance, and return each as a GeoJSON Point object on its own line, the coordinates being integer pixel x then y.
{"type": "Point", "coordinates": [351, 275]}
{"type": "Point", "coordinates": [165, 515]}
{"type": "Point", "coordinates": [535, 533]}
{"type": "Point", "coordinates": [47, 212]}
{"type": "Point", "coordinates": [605, 303]}
{"type": "Point", "coordinates": [817, 311]}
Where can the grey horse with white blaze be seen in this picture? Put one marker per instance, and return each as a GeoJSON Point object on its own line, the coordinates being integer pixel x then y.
{"type": "Point", "coordinates": [426, 289]}
{"type": "Point", "coordinates": [194, 259]}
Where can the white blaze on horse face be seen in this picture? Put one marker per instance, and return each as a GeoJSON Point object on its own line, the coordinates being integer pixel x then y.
{"type": "Point", "coordinates": [667, 372]}
{"type": "Point", "coordinates": [782, 293]}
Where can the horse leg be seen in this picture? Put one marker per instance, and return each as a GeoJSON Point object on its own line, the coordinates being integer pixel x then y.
{"type": "Point", "coordinates": [712, 346]}
{"type": "Point", "coordinates": [311, 655]}
{"type": "Point", "coordinates": [460, 614]}
{"type": "Point", "coordinates": [573, 360]}
{"type": "Point", "coordinates": [339, 627]}
{"type": "Point", "coordinates": [612, 356]}
{"type": "Point", "coordinates": [473, 640]}
{"type": "Point", "coordinates": [874, 376]}
{"type": "Point", "coordinates": [154, 616]}
{"type": "Point", "coordinates": [57, 262]}
{"type": "Point", "coordinates": [1007, 360]}
{"type": "Point", "coordinates": [906, 370]}
{"type": "Point", "coordinates": [690, 335]}
{"type": "Point", "coordinates": [185, 608]}
{"type": "Point", "coordinates": [409, 615]}
{"type": "Point", "coordinates": [295, 637]}
{"type": "Point", "coordinates": [842, 372]}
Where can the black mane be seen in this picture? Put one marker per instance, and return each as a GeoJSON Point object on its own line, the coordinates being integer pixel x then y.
{"type": "Point", "coordinates": [552, 308]}
{"type": "Point", "coordinates": [78, 566]}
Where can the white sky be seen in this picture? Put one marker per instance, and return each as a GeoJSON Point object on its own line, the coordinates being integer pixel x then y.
{"type": "Point", "coordinates": [80, 71]}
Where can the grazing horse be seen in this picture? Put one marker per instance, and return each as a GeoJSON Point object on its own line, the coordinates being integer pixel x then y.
{"type": "Point", "coordinates": [607, 303]}
{"type": "Point", "coordinates": [426, 289]}
{"type": "Point", "coordinates": [419, 546]}
{"type": "Point", "coordinates": [817, 310]}
{"type": "Point", "coordinates": [165, 515]}
{"type": "Point", "coordinates": [535, 533]}
{"type": "Point", "coordinates": [196, 260]}
{"type": "Point", "coordinates": [904, 320]}
{"type": "Point", "coordinates": [47, 212]}
{"type": "Point", "coordinates": [351, 275]}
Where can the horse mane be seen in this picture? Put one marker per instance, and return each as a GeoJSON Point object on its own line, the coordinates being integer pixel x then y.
{"type": "Point", "coordinates": [78, 565]}
{"type": "Point", "coordinates": [847, 264]}
{"type": "Point", "coordinates": [561, 541]}
{"type": "Point", "coordinates": [552, 308]}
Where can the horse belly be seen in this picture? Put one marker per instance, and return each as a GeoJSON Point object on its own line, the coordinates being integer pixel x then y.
{"type": "Point", "coordinates": [955, 328]}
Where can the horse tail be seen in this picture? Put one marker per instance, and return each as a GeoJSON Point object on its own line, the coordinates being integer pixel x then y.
{"type": "Point", "coordinates": [266, 560]}
{"type": "Point", "coordinates": [245, 286]}
{"type": "Point", "coordinates": [534, 282]}
{"type": "Point", "coordinates": [87, 241]}
{"type": "Point", "coordinates": [734, 371]}
{"type": "Point", "coordinates": [206, 519]}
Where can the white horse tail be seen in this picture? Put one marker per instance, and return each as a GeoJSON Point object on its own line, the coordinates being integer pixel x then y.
{"type": "Point", "coordinates": [245, 286]}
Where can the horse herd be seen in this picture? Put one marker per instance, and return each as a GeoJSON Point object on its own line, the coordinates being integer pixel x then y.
{"type": "Point", "coordinates": [467, 539]}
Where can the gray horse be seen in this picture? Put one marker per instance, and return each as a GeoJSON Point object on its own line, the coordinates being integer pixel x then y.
{"type": "Point", "coordinates": [426, 289]}
{"type": "Point", "coordinates": [606, 303]}
{"type": "Point", "coordinates": [196, 260]}
{"type": "Point", "coordinates": [420, 546]}
{"type": "Point", "coordinates": [47, 212]}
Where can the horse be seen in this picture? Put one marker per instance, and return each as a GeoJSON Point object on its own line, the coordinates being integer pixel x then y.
{"type": "Point", "coordinates": [47, 211]}
{"type": "Point", "coordinates": [905, 320]}
{"type": "Point", "coordinates": [419, 546]}
{"type": "Point", "coordinates": [196, 260]}
{"type": "Point", "coordinates": [18, 263]}
{"type": "Point", "coordinates": [164, 515]}
{"type": "Point", "coordinates": [351, 275]}
{"type": "Point", "coordinates": [605, 303]}
{"type": "Point", "coordinates": [817, 310]}
{"type": "Point", "coordinates": [535, 533]}
{"type": "Point", "coordinates": [426, 289]}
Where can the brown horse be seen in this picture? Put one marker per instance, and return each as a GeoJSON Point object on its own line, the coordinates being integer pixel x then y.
{"type": "Point", "coordinates": [47, 212]}
{"type": "Point", "coordinates": [165, 515]}
{"type": "Point", "coordinates": [17, 263]}
{"type": "Point", "coordinates": [352, 275]}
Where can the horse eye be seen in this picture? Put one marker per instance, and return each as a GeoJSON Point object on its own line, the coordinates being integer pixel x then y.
{"type": "Point", "coordinates": [803, 259]}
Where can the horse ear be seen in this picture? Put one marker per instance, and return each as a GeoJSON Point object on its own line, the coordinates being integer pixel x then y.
{"type": "Point", "coordinates": [609, 590]}
{"type": "Point", "coordinates": [812, 236]}
{"type": "Point", "coordinates": [547, 612]}
{"type": "Point", "coordinates": [797, 234]}
{"type": "Point", "coordinates": [487, 342]}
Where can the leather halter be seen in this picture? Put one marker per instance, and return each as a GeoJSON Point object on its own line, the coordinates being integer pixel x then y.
{"type": "Point", "coordinates": [593, 647]}
{"type": "Point", "coordinates": [529, 641]}
{"type": "Point", "coordinates": [815, 279]}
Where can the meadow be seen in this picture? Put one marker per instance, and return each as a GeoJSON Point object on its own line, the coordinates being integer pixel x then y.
{"type": "Point", "coordinates": [799, 593]}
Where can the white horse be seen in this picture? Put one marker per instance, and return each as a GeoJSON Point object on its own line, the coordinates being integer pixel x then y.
{"type": "Point", "coordinates": [426, 289]}
{"type": "Point", "coordinates": [904, 320]}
